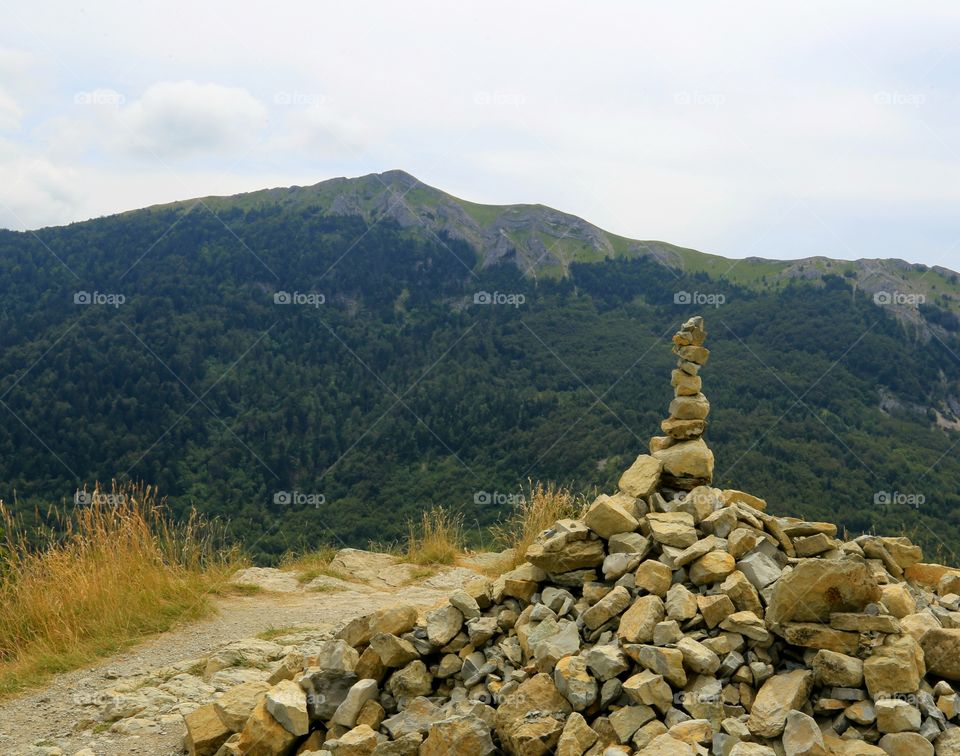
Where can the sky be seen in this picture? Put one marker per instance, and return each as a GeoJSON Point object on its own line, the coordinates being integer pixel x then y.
{"type": "Point", "coordinates": [743, 128]}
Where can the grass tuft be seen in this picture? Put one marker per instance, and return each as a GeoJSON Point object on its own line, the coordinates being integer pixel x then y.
{"type": "Point", "coordinates": [540, 507]}
{"type": "Point", "coordinates": [119, 569]}
{"type": "Point", "coordinates": [436, 539]}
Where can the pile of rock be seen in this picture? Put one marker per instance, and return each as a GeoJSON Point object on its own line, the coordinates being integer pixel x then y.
{"type": "Point", "coordinates": [687, 461]}
{"type": "Point", "coordinates": [672, 619]}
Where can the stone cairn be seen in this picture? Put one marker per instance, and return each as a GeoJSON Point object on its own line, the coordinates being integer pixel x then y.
{"type": "Point", "coordinates": [673, 619]}
{"type": "Point", "coordinates": [687, 460]}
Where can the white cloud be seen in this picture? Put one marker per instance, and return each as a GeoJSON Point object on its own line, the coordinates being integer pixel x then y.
{"type": "Point", "coordinates": [10, 112]}
{"type": "Point", "coordinates": [34, 191]}
{"type": "Point", "coordinates": [174, 120]}
{"type": "Point", "coordinates": [17, 80]}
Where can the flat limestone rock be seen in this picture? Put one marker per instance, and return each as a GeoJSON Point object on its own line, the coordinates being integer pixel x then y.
{"type": "Point", "coordinates": [263, 735]}
{"type": "Point", "coordinates": [638, 622]}
{"type": "Point", "coordinates": [459, 734]}
{"type": "Point", "coordinates": [672, 528]}
{"type": "Point", "coordinates": [815, 635]}
{"type": "Point", "coordinates": [574, 556]}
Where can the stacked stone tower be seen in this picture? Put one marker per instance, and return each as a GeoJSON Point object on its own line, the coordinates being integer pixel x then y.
{"type": "Point", "coordinates": [687, 460]}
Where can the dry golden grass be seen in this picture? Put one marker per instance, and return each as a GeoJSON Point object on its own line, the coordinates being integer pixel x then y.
{"type": "Point", "coordinates": [436, 539]}
{"type": "Point", "coordinates": [120, 569]}
{"type": "Point", "coordinates": [540, 507]}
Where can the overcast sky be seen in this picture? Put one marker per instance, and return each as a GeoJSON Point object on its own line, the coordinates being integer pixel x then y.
{"type": "Point", "coordinates": [741, 128]}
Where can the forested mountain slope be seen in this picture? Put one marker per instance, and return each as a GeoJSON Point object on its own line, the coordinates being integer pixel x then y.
{"type": "Point", "coordinates": [237, 350]}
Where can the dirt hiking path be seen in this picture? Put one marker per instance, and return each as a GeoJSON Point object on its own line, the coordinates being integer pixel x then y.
{"type": "Point", "coordinates": [133, 702]}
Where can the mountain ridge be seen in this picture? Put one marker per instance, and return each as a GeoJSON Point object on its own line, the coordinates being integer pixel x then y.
{"type": "Point", "coordinates": [545, 241]}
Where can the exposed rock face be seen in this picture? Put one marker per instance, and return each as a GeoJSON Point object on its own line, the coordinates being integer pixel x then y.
{"type": "Point", "coordinates": [674, 618]}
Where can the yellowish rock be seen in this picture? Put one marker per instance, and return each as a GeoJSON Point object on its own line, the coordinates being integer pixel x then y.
{"type": "Point", "coordinates": [525, 719]}
{"type": "Point", "coordinates": [685, 384]}
{"type": "Point", "coordinates": [638, 622]}
{"type": "Point", "coordinates": [731, 496]}
{"type": "Point", "coordinates": [642, 477]}
{"type": "Point", "coordinates": [654, 576]}
{"type": "Point", "coordinates": [898, 600]}
{"type": "Point", "coordinates": [816, 588]}
{"type": "Point", "coordinates": [712, 568]}
{"type": "Point", "coordinates": [778, 696]}
{"type": "Point", "coordinates": [206, 732]}
{"type": "Point", "coordinates": [687, 464]}
{"type": "Point", "coordinates": [265, 736]}
{"type": "Point", "coordinates": [577, 736]}
{"type": "Point", "coordinates": [898, 666]}
{"type": "Point", "coordinates": [715, 608]}
{"type": "Point", "coordinates": [607, 517]}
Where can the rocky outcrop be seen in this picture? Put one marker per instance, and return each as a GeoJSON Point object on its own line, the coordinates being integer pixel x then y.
{"type": "Point", "coordinates": [673, 618]}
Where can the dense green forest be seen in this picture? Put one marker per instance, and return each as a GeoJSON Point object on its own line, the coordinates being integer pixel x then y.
{"type": "Point", "coordinates": [384, 387]}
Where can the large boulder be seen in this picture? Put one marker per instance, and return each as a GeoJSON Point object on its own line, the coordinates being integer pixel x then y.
{"type": "Point", "coordinates": [941, 652]}
{"type": "Point", "coordinates": [816, 588]}
{"type": "Point", "coordinates": [529, 720]}
{"type": "Point", "coordinates": [687, 464]}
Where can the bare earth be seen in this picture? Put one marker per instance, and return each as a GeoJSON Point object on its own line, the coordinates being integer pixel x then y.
{"type": "Point", "coordinates": [154, 683]}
